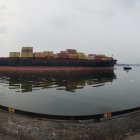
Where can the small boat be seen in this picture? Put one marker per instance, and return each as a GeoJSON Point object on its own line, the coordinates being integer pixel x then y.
{"type": "Point", "coordinates": [127, 68]}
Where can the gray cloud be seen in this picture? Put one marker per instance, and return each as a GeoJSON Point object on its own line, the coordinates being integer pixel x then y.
{"type": "Point", "coordinates": [58, 21]}
{"type": "Point", "coordinates": [3, 29]}
{"type": "Point", "coordinates": [127, 3]}
{"type": "Point", "coordinates": [2, 16]}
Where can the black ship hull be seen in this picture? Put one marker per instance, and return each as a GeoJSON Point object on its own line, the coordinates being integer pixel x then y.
{"type": "Point", "coordinates": [31, 62]}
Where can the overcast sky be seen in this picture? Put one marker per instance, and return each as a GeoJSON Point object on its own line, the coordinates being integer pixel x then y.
{"type": "Point", "coordinates": [110, 27]}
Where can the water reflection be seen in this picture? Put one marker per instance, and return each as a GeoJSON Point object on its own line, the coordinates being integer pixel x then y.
{"type": "Point", "coordinates": [68, 81]}
{"type": "Point", "coordinates": [126, 71]}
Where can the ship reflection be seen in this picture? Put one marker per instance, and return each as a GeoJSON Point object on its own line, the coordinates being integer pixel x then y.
{"type": "Point", "coordinates": [68, 81]}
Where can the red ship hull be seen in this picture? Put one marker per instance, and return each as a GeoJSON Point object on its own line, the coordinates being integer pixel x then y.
{"type": "Point", "coordinates": [47, 69]}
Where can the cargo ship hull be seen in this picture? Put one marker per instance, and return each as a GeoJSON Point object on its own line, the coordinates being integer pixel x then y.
{"type": "Point", "coordinates": [32, 64]}
{"type": "Point", "coordinates": [56, 62]}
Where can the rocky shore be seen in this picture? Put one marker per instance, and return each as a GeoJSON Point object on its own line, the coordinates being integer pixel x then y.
{"type": "Point", "coordinates": [20, 127]}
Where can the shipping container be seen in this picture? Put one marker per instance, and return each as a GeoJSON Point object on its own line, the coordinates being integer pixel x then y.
{"type": "Point", "coordinates": [84, 56]}
{"type": "Point", "coordinates": [48, 53]}
{"type": "Point", "coordinates": [91, 56]}
{"type": "Point", "coordinates": [72, 56]}
{"type": "Point", "coordinates": [39, 54]}
{"type": "Point", "coordinates": [55, 55]}
{"type": "Point", "coordinates": [100, 56]}
{"type": "Point", "coordinates": [109, 58]}
{"type": "Point", "coordinates": [106, 58]}
{"type": "Point", "coordinates": [25, 54]}
{"type": "Point", "coordinates": [27, 49]}
{"type": "Point", "coordinates": [71, 51]}
{"type": "Point", "coordinates": [63, 52]}
{"type": "Point", "coordinates": [49, 57]}
{"type": "Point", "coordinates": [81, 55]}
{"type": "Point", "coordinates": [30, 54]}
{"type": "Point", "coordinates": [60, 55]}
{"type": "Point", "coordinates": [14, 54]}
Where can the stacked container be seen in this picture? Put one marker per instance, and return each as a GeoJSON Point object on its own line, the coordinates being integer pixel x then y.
{"type": "Point", "coordinates": [81, 55]}
{"type": "Point", "coordinates": [109, 58]}
{"type": "Point", "coordinates": [39, 54]}
{"type": "Point", "coordinates": [72, 56]}
{"type": "Point", "coordinates": [71, 53]}
{"type": "Point", "coordinates": [106, 58]}
{"type": "Point", "coordinates": [62, 54]}
{"type": "Point", "coordinates": [27, 52]}
{"type": "Point", "coordinates": [48, 54]}
{"type": "Point", "coordinates": [14, 54]}
{"type": "Point", "coordinates": [91, 56]}
{"type": "Point", "coordinates": [100, 57]}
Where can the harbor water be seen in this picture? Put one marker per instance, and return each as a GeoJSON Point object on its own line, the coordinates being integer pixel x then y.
{"type": "Point", "coordinates": [71, 93]}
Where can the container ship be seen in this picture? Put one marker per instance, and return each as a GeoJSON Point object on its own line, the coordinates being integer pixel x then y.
{"type": "Point", "coordinates": [69, 59]}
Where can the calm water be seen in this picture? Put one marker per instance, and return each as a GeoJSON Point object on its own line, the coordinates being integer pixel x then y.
{"type": "Point", "coordinates": [71, 93]}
